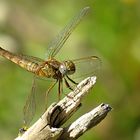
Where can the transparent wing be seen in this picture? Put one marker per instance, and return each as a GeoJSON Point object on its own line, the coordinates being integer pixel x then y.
{"type": "Point", "coordinates": [61, 38]}
{"type": "Point", "coordinates": [35, 102]}
{"type": "Point", "coordinates": [30, 106]}
{"type": "Point", "coordinates": [88, 66]}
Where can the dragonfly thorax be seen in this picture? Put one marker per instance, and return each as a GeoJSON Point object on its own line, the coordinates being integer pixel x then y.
{"type": "Point", "coordinates": [67, 68]}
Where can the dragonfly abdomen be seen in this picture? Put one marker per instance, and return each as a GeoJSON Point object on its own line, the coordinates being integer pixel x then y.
{"type": "Point", "coordinates": [19, 60]}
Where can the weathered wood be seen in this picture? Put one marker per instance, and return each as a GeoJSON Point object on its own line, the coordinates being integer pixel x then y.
{"type": "Point", "coordinates": [85, 122]}
{"type": "Point", "coordinates": [48, 126]}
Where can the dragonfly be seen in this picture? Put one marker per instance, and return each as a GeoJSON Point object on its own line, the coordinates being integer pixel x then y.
{"type": "Point", "coordinates": [50, 68]}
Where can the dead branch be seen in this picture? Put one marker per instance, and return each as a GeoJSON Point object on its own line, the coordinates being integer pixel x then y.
{"type": "Point", "coordinates": [48, 126]}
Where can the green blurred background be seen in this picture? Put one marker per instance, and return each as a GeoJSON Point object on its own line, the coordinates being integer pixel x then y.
{"type": "Point", "coordinates": [111, 30]}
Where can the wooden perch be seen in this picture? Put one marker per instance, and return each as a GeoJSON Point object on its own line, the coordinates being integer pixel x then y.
{"type": "Point", "coordinates": [48, 126]}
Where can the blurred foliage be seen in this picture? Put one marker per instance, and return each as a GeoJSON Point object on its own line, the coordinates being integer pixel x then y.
{"type": "Point", "coordinates": [111, 31]}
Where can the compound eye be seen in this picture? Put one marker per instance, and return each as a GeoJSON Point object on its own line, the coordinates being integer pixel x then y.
{"type": "Point", "coordinates": [70, 67]}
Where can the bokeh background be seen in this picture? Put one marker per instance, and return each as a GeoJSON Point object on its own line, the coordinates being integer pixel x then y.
{"type": "Point", "coordinates": [111, 30]}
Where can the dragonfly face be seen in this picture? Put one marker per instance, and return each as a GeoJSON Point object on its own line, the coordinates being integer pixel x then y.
{"type": "Point", "coordinates": [67, 68]}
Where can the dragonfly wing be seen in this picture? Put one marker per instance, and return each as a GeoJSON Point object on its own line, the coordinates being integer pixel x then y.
{"type": "Point", "coordinates": [36, 101]}
{"type": "Point", "coordinates": [30, 105]}
{"type": "Point", "coordinates": [88, 66]}
{"type": "Point", "coordinates": [61, 38]}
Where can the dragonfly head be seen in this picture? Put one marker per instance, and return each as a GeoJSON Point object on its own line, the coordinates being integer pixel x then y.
{"type": "Point", "coordinates": [67, 68]}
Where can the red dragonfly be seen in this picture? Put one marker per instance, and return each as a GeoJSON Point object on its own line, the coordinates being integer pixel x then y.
{"type": "Point", "coordinates": [52, 68]}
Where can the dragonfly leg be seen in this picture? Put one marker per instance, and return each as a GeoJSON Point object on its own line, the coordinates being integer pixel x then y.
{"type": "Point", "coordinates": [48, 91]}
{"type": "Point", "coordinates": [72, 80]}
{"type": "Point", "coordinates": [67, 84]}
{"type": "Point", "coordinates": [60, 88]}
{"type": "Point", "coordinates": [52, 85]}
